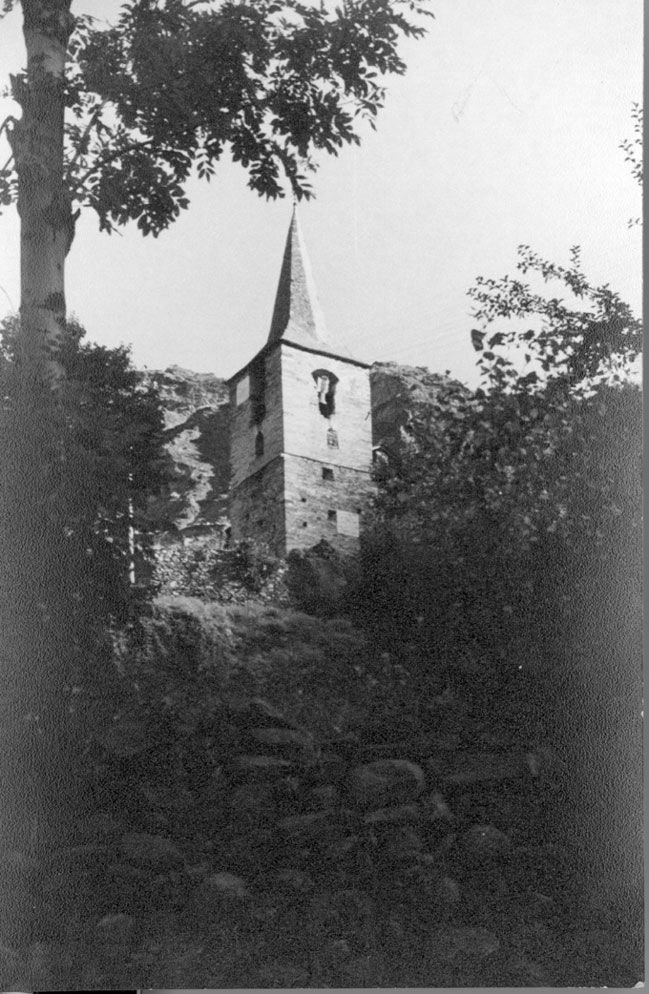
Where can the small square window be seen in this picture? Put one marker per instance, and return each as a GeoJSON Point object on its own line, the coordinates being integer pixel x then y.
{"type": "Point", "coordinates": [304, 524]}
{"type": "Point", "coordinates": [331, 515]}
{"type": "Point", "coordinates": [327, 474]}
{"type": "Point", "coordinates": [303, 499]}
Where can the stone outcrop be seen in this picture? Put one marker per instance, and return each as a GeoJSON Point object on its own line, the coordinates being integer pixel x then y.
{"type": "Point", "coordinates": [396, 392]}
{"type": "Point", "coordinates": [197, 425]}
{"type": "Point", "coordinates": [197, 430]}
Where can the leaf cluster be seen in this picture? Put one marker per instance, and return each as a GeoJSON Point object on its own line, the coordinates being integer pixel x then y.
{"type": "Point", "coordinates": [174, 84]}
{"type": "Point", "coordinates": [567, 346]}
{"type": "Point", "coordinates": [632, 147]}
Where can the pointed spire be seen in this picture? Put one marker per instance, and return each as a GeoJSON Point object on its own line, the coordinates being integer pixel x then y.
{"type": "Point", "coordinates": [297, 316]}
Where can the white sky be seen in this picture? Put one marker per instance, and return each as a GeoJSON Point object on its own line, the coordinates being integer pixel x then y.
{"type": "Point", "coordinates": [505, 130]}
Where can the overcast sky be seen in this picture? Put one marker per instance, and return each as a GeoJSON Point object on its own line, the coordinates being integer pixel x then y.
{"type": "Point", "coordinates": [505, 130]}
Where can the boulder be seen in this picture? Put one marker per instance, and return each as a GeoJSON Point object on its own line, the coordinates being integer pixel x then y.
{"type": "Point", "coordinates": [116, 929]}
{"type": "Point", "coordinates": [485, 844]}
{"type": "Point", "coordinates": [151, 852]}
{"type": "Point", "coordinates": [287, 738]}
{"type": "Point", "coordinates": [316, 823]}
{"type": "Point", "coordinates": [330, 767]}
{"type": "Point", "coordinates": [294, 880]}
{"type": "Point", "coordinates": [447, 891]}
{"type": "Point", "coordinates": [450, 943]}
{"type": "Point", "coordinates": [253, 802]}
{"type": "Point", "coordinates": [325, 796]}
{"type": "Point", "coordinates": [435, 808]}
{"type": "Point", "coordinates": [261, 766]}
{"type": "Point", "coordinates": [384, 782]}
{"type": "Point", "coordinates": [219, 888]}
{"type": "Point", "coordinates": [402, 813]}
{"type": "Point", "coordinates": [401, 844]}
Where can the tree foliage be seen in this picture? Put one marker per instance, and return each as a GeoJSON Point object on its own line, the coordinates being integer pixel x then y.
{"type": "Point", "coordinates": [111, 434]}
{"type": "Point", "coordinates": [632, 148]}
{"type": "Point", "coordinates": [568, 346]}
{"type": "Point", "coordinates": [174, 84]}
{"type": "Point", "coordinates": [514, 497]}
{"type": "Point", "coordinates": [78, 469]}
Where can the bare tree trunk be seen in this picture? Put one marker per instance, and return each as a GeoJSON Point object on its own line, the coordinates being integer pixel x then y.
{"type": "Point", "coordinates": [44, 205]}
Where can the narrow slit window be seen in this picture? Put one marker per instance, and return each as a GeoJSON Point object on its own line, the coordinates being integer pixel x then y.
{"type": "Point", "coordinates": [259, 444]}
{"type": "Point", "coordinates": [258, 390]}
{"type": "Point", "coordinates": [332, 438]}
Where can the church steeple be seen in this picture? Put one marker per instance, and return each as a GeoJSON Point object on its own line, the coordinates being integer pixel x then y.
{"type": "Point", "coordinates": [297, 316]}
{"type": "Point", "coordinates": [300, 426]}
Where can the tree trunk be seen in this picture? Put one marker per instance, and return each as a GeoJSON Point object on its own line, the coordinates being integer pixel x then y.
{"type": "Point", "coordinates": [44, 203]}
{"type": "Point", "coordinates": [36, 744]}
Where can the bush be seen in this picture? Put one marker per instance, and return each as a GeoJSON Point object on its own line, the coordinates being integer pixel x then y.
{"type": "Point", "coordinates": [320, 581]}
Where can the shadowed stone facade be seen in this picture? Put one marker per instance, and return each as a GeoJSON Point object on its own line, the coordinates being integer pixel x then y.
{"type": "Point", "coordinates": [301, 427]}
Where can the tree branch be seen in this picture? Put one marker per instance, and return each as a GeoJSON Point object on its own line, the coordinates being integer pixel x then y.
{"type": "Point", "coordinates": [104, 160]}
{"type": "Point", "coordinates": [9, 119]}
{"type": "Point", "coordinates": [91, 123]}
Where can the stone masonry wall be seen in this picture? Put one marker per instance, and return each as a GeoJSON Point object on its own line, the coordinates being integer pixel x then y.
{"type": "Point", "coordinates": [305, 428]}
{"type": "Point", "coordinates": [243, 429]}
{"type": "Point", "coordinates": [257, 507]}
{"type": "Point", "coordinates": [318, 508]}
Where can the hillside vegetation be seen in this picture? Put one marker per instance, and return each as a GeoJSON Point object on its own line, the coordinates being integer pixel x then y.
{"type": "Point", "coordinates": [395, 770]}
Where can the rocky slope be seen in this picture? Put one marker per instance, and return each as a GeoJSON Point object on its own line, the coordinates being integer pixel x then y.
{"type": "Point", "coordinates": [396, 390]}
{"type": "Point", "coordinates": [197, 430]}
{"type": "Point", "coordinates": [197, 423]}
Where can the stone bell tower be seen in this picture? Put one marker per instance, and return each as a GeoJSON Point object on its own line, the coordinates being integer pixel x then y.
{"type": "Point", "coordinates": [301, 426]}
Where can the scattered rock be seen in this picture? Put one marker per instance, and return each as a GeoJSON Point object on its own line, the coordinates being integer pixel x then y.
{"type": "Point", "coordinates": [222, 886]}
{"type": "Point", "coordinates": [264, 713]}
{"type": "Point", "coordinates": [295, 880]}
{"type": "Point", "coordinates": [485, 844]}
{"type": "Point", "coordinates": [325, 796]}
{"type": "Point", "coordinates": [447, 891]}
{"type": "Point", "coordinates": [314, 823]}
{"type": "Point", "coordinates": [153, 852]}
{"type": "Point", "coordinates": [403, 813]}
{"type": "Point", "coordinates": [453, 942]}
{"type": "Point", "coordinates": [282, 737]}
{"type": "Point", "coordinates": [338, 949]}
{"type": "Point", "coordinates": [353, 902]}
{"type": "Point", "coordinates": [253, 802]}
{"type": "Point", "coordinates": [486, 768]}
{"type": "Point", "coordinates": [386, 781]}
{"type": "Point", "coordinates": [435, 808]}
{"type": "Point", "coordinates": [116, 929]}
{"type": "Point", "coordinates": [262, 766]}
{"type": "Point", "coordinates": [330, 767]}
{"type": "Point", "coordinates": [402, 843]}
{"type": "Point", "coordinates": [198, 872]}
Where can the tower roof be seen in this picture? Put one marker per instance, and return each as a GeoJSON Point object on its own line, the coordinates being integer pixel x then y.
{"type": "Point", "coordinates": [297, 316]}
